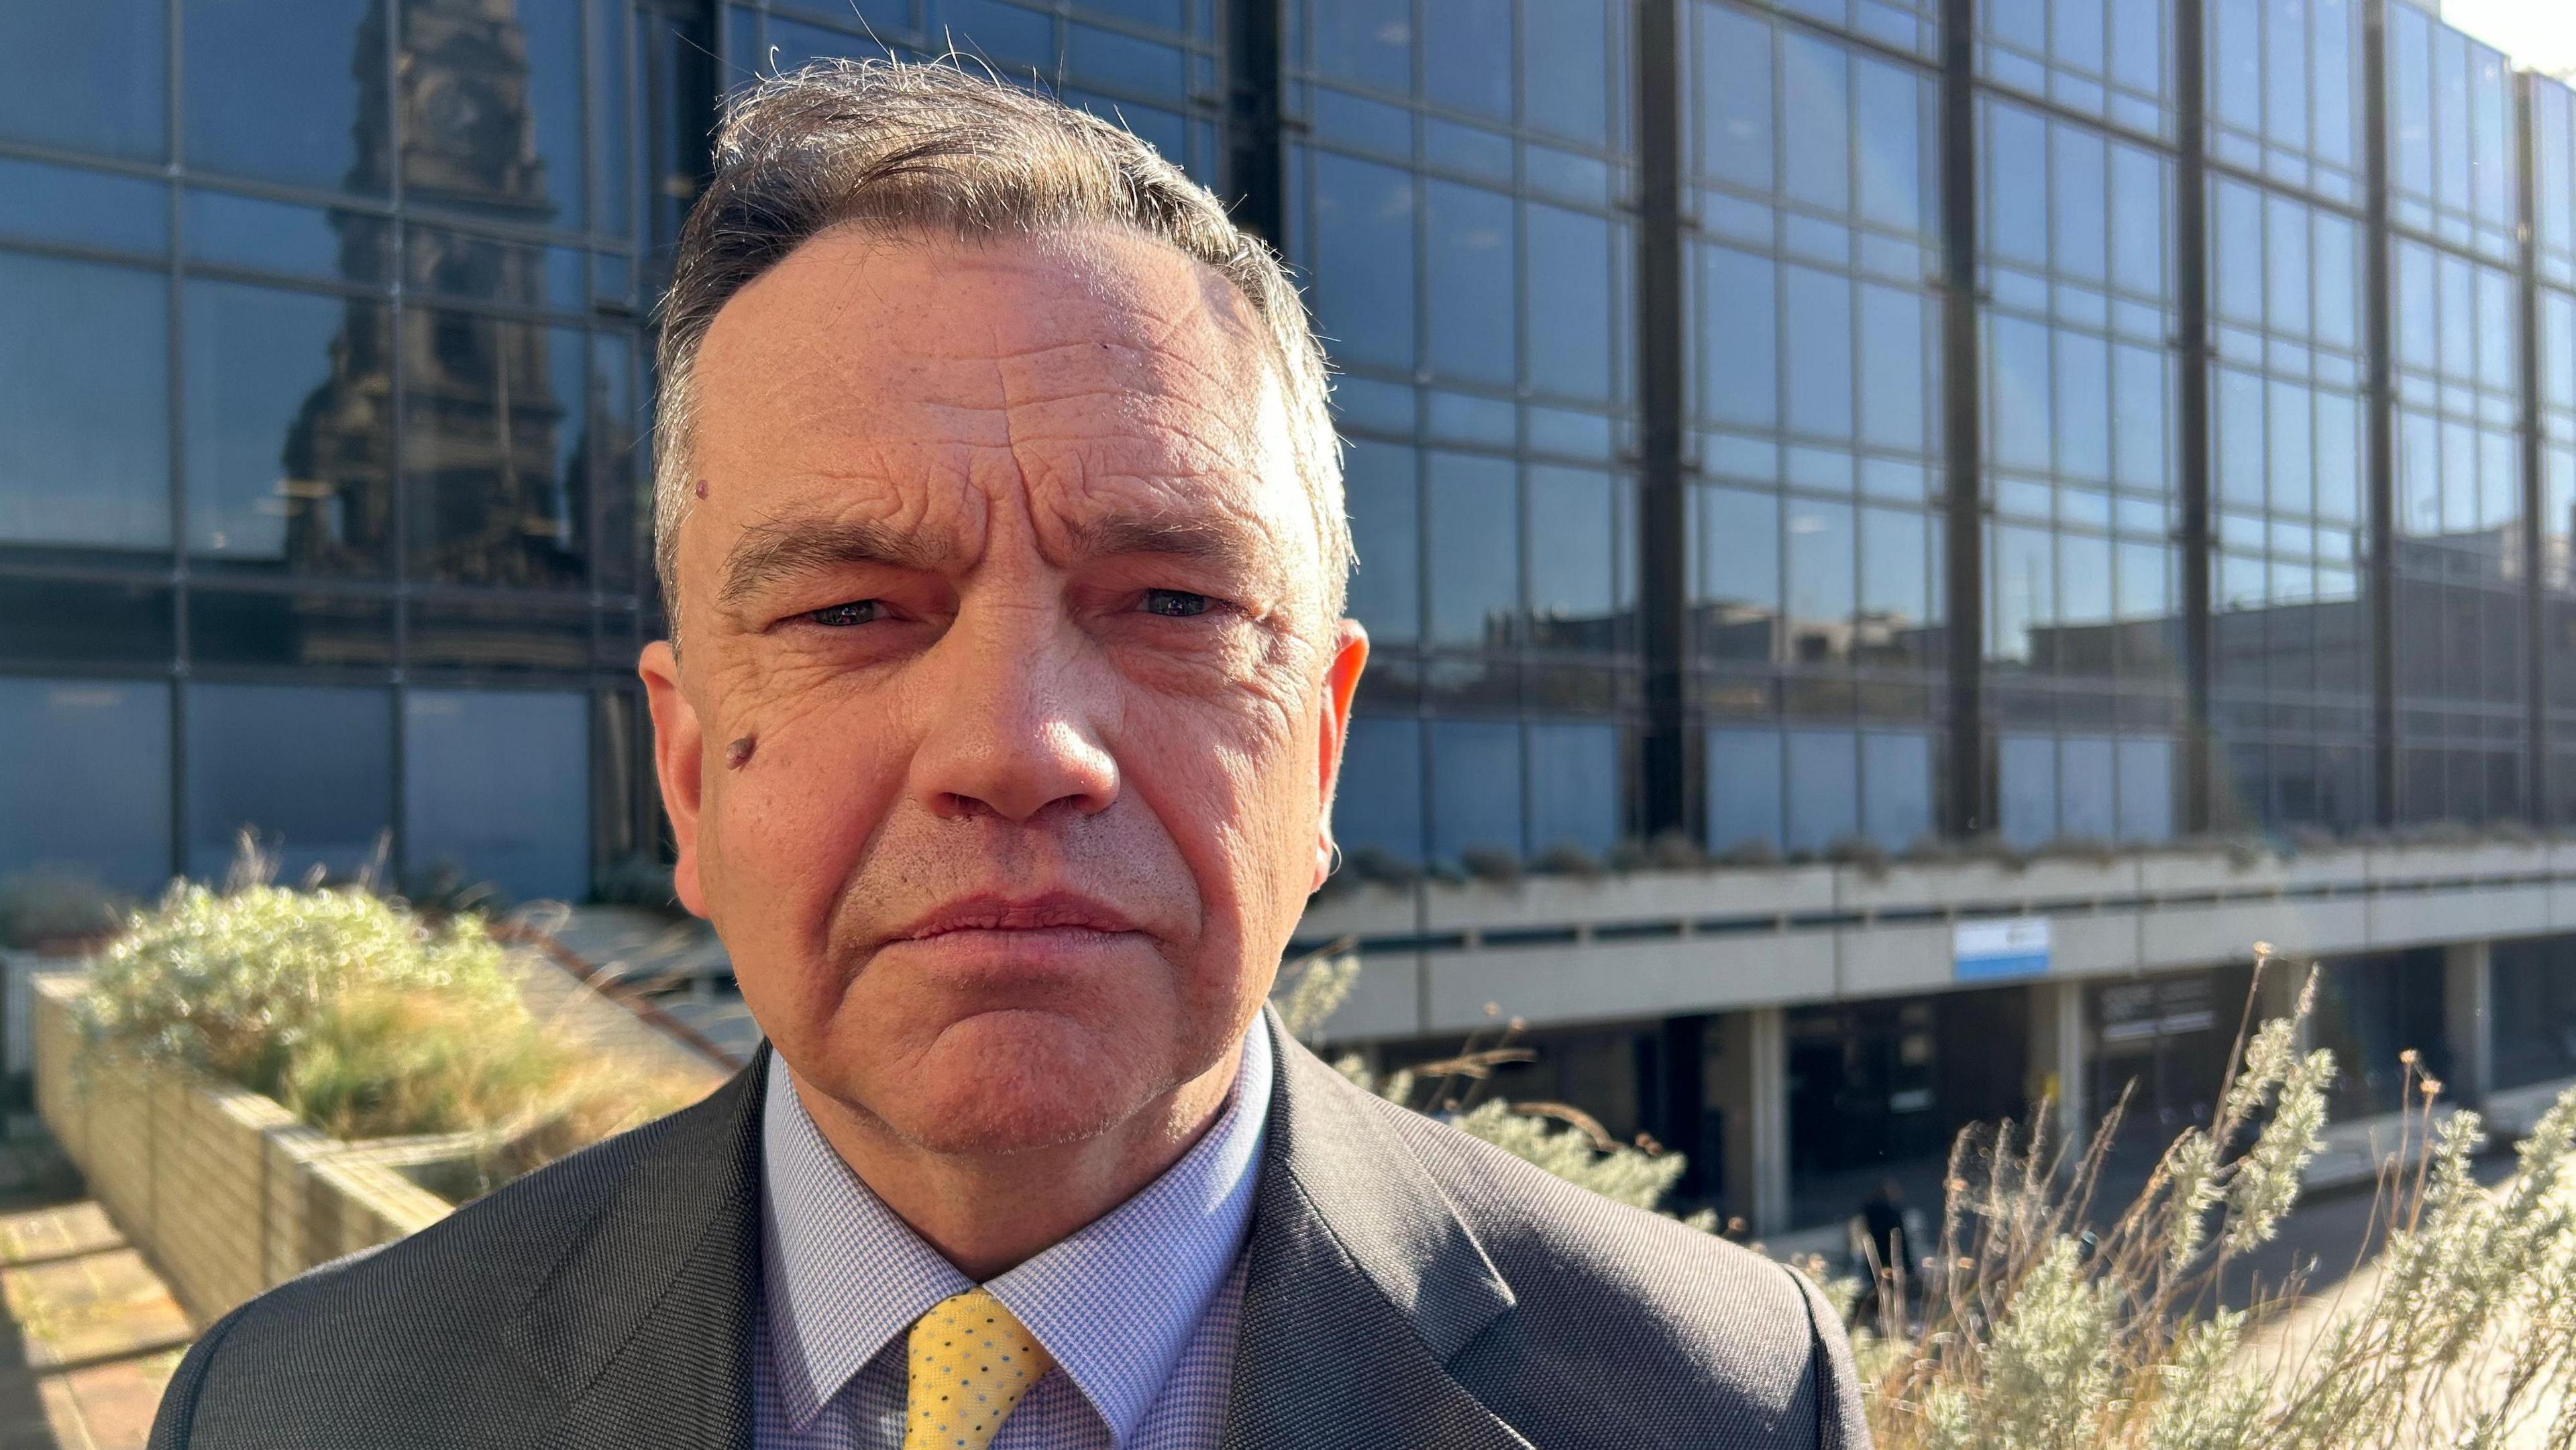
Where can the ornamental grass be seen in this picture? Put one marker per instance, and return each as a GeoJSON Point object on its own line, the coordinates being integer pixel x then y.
{"type": "Point", "coordinates": [365, 1018]}
{"type": "Point", "coordinates": [2044, 1320]}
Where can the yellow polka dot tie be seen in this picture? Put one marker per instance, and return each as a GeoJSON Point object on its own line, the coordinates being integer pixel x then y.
{"type": "Point", "coordinates": [971, 1362]}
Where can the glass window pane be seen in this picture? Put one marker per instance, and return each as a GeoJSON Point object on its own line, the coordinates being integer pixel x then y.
{"type": "Point", "coordinates": [308, 767]}
{"type": "Point", "coordinates": [1744, 788]}
{"type": "Point", "coordinates": [1565, 47]}
{"type": "Point", "coordinates": [91, 75]}
{"type": "Point", "coordinates": [1369, 41]}
{"type": "Point", "coordinates": [2077, 190]}
{"type": "Point", "coordinates": [1739, 573]}
{"type": "Point", "coordinates": [1377, 803]}
{"type": "Point", "coordinates": [2137, 221]}
{"type": "Point", "coordinates": [2017, 373]}
{"type": "Point", "coordinates": [46, 620]}
{"type": "Point", "coordinates": [1471, 283]}
{"type": "Point", "coordinates": [1385, 511]}
{"type": "Point", "coordinates": [1475, 787]}
{"type": "Point", "coordinates": [85, 782]}
{"type": "Point", "coordinates": [1574, 575]}
{"type": "Point", "coordinates": [2023, 586]}
{"type": "Point", "coordinates": [617, 423]}
{"type": "Point", "coordinates": [1888, 102]}
{"type": "Point", "coordinates": [1896, 787]}
{"type": "Point", "coordinates": [83, 207]}
{"type": "Point", "coordinates": [2026, 785]}
{"type": "Point", "coordinates": [2289, 270]}
{"type": "Point", "coordinates": [485, 632]}
{"type": "Point", "coordinates": [267, 627]}
{"type": "Point", "coordinates": [1108, 58]}
{"type": "Point", "coordinates": [612, 171]}
{"type": "Point", "coordinates": [1816, 86]}
{"type": "Point", "coordinates": [1570, 308]}
{"type": "Point", "coordinates": [287, 452]}
{"type": "Point", "coordinates": [2237, 237]}
{"type": "Point", "coordinates": [1739, 339]}
{"type": "Point", "coordinates": [298, 96]}
{"type": "Point", "coordinates": [1891, 368]}
{"type": "Point", "coordinates": [493, 109]}
{"type": "Point", "coordinates": [1467, 55]}
{"type": "Point", "coordinates": [496, 784]}
{"type": "Point", "coordinates": [2146, 790]}
{"type": "Point", "coordinates": [1824, 788]}
{"type": "Point", "coordinates": [1016, 41]}
{"type": "Point", "coordinates": [492, 451]}
{"type": "Point", "coordinates": [84, 404]}
{"type": "Point", "coordinates": [2083, 400]}
{"type": "Point", "coordinates": [2138, 420]}
{"type": "Point", "coordinates": [1822, 583]}
{"type": "Point", "coordinates": [1475, 551]}
{"type": "Point", "coordinates": [444, 263]}
{"type": "Point", "coordinates": [1363, 263]}
{"type": "Point", "coordinates": [1734, 96]}
{"type": "Point", "coordinates": [274, 236]}
{"type": "Point", "coordinates": [1574, 787]}
{"type": "Point", "coordinates": [1819, 386]}
{"type": "Point", "coordinates": [1894, 587]}
{"type": "Point", "coordinates": [2016, 185]}
{"type": "Point", "coordinates": [2086, 803]}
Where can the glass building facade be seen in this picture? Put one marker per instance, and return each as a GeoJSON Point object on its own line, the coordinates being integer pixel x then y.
{"type": "Point", "coordinates": [1785, 423]}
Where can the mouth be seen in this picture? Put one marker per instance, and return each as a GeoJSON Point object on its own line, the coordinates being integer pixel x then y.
{"type": "Point", "coordinates": [1063, 916]}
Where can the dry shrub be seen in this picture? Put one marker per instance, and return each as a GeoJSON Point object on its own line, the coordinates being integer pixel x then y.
{"type": "Point", "coordinates": [364, 1019]}
{"type": "Point", "coordinates": [2041, 1328]}
{"type": "Point", "coordinates": [2039, 1332]}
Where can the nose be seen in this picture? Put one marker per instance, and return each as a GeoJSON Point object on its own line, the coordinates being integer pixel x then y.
{"type": "Point", "coordinates": [1014, 728]}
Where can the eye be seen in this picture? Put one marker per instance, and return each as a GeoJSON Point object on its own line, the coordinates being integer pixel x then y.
{"type": "Point", "coordinates": [857, 611]}
{"type": "Point", "coordinates": [1176, 603]}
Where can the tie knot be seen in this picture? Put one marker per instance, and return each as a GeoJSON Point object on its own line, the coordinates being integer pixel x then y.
{"type": "Point", "coordinates": [971, 1361]}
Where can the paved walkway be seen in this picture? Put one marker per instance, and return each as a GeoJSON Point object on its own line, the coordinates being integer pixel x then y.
{"type": "Point", "coordinates": [91, 1335]}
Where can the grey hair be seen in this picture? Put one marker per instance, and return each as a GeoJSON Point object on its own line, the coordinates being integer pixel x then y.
{"type": "Point", "coordinates": [904, 146]}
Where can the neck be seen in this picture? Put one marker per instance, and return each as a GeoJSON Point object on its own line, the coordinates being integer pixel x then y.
{"type": "Point", "coordinates": [988, 1213]}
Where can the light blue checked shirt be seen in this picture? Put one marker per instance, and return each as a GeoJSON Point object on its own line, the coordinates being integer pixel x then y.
{"type": "Point", "coordinates": [1139, 1309]}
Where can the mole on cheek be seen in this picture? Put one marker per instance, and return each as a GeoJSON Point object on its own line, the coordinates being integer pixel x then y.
{"type": "Point", "coordinates": [702, 488]}
{"type": "Point", "coordinates": [738, 754]}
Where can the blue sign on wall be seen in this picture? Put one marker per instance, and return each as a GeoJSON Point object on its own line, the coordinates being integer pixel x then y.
{"type": "Point", "coordinates": [1983, 951]}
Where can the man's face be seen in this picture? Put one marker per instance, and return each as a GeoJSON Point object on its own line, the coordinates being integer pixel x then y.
{"type": "Point", "coordinates": [1002, 735]}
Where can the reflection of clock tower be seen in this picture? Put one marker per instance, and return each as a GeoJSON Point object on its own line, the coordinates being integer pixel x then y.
{"type": "Point", "coordinates": [480, 416]}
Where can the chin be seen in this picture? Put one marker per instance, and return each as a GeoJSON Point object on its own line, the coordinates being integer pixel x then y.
{"type": "Point", "coordinates": [1006, 1082]}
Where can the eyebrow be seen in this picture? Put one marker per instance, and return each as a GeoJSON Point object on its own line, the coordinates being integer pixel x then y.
{"type": "Point", "coordinates": [792, 548]}
{"type": "Point", "coordinates": [1224, 541]}
{"type": "Point", "coordinates": [798, 547]}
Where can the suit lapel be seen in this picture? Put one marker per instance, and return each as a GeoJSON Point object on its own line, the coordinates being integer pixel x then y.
{"type": "Point", "coordinates": [646, 1324]}
{"type": "Point", "coordinates": [1363, 1282]}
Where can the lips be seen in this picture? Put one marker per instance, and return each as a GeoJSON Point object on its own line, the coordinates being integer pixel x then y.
{"type": "Point", "coordinates": [1049, 912]}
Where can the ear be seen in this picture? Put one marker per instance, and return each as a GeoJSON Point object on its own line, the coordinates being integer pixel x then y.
{"type": "Point", "coordinates": [679, 755]}
{"type": "Point", "coordinates": [1341, 682]}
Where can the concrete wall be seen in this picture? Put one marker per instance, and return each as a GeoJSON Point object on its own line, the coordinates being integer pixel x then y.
{"type": "Point", "coordinates": [223, 1191]}
{"type": "Point", "coordinates": [1561, 950]}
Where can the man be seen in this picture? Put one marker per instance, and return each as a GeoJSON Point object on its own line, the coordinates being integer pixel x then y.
{"type": "Point", "coordinates": [1000, 527]}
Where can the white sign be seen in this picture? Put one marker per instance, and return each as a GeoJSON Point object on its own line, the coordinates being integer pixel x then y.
{"type": "Point", "coordinates": [2013, 946]}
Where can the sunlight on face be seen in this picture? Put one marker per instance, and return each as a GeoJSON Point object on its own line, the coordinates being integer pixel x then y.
{"type": "Point", "coordinates": [1000, 744]}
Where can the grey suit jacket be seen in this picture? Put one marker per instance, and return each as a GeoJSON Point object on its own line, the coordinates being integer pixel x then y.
{"type": "Point", "coordinates": [1408, 1287]}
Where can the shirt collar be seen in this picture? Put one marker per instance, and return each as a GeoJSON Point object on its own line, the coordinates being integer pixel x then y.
{"type": "Point", "coordinates": [1114, 1303]}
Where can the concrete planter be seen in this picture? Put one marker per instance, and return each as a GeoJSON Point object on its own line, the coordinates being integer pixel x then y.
{"type": "Point", "coordinates": [220, 1187]}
